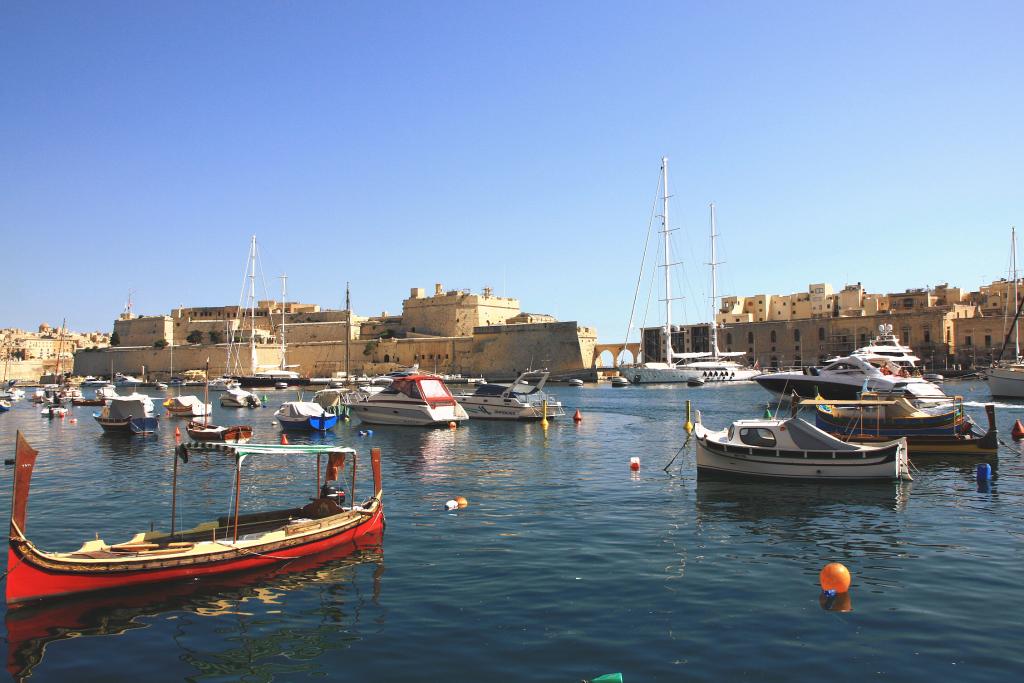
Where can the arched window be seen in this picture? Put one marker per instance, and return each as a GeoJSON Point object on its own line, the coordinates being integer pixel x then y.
{"type": "Point", "coordinates": [387, 359]}
{"type": "Point", "coordinates": [773, 336]}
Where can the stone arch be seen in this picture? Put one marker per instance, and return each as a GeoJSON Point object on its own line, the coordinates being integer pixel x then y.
{"type": "Point", "coordinates": [387, 358]}
{"type": "Point", "coordinates": [606, 359]}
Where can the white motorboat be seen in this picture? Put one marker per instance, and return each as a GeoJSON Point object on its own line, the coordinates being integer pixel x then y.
{"type": "Point", "coordinates": [575, 382]}
{"type": "Point", "coordinates": [122, 380]}
{"type": "Point", "coordinates": [846, 377]}
{"type": "Point", "coordinates": [887, 345]}
{"type": "Point", "coordinates": [794, 449]}
{"type": "Point", "coordinates": [187, 406]}
{"type": "Point", "coordinates": [524, 399]}
{"type": "Point", "coordinates": [618, 381]}
{"type": "Point", "coordinates": [224, 383]}
{"type": "Point", "coordinates": [106, 392]}
{"type": "Point", "coordinates": [420, 400]}
{"type": "Point", "coordinates": [239, 398]}
{"type": "Point", "coordinates": [91, 381]}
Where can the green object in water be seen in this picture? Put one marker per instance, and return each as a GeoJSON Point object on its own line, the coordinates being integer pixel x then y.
{"type": "Point", "coordinates": [767, 411]}
{"type": "Point", "coordinates": [608, 678]}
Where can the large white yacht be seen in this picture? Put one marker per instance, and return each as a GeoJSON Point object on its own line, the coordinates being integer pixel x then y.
{"type": "Point", "coordinates": [888, 345]}
{"type": "Point", "coordinates": [845, 377]}
{"type": "Point", "coordinates": [702, 367]}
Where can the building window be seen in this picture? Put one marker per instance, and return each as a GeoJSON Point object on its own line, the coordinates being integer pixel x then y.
{"type": "Point", "coordinates": [750, 337]}
{"type": "Point", "coordinates": [967, 341]}
{"type": "Point", "coordinates": [988, 341]}
{"type": "Point", "coordinates": [821, 334]}
{"type": "Point", "coordinates": [927, 336]}
{"type": "Point", "coordinates": [908, 303]}
{"type": "Point", "coordinates": [728, 338]}
{"type": "Point", "coordinates": [773, 336]}
{"type": "Point", "coordinates": [796, 335]}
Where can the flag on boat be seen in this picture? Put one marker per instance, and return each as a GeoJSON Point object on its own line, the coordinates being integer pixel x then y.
{"type": "Point", "coordinates": [757, 365]}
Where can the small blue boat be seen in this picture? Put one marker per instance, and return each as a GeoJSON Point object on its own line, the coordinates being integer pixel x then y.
{"type": "Point", "coordinates": [323, 422]}
{"type": "Point", "coordinates": [304, 416]}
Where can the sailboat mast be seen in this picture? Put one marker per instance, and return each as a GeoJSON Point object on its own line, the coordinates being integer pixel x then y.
{"type": "Point", "coordinates": [714, 285]}
{"type": "Point", "coordinates": [1013, 261]}
{"type": "Point", "coordinates": [348, 333]}
{"type": "Point", "coordinates": [252, 306]}
{"type": "Point", "coordinates": [284, 292]}
{"type": "Point", "coordinates": [668, 289]}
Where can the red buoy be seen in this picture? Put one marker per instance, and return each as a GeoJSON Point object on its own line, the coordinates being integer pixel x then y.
{"type": "Point", "coordinates": [634, 464]}
{"type": "Point", "coordinates": [578, 417]}
{"type": "Point", "coordinates": [1018, 431]}
{"type": "Point", "coordinates": [177, 432]}
{"type": "Point", "coordinates": [284, 439]}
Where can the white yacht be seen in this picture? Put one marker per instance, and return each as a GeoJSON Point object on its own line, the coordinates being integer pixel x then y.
{"type": "Point", "coordinates": [522, 400]}
{"type": "Point", "coordinates": [1006, 380]}
{"type": "Point", "coordinates": [224, 383]}
{"type": "Point", "coordinates": [888, 345]}
{"type": "Point", "coordinates": [846, 377]}
{"type": "Point", "coordinates": [239, 398]}
{"type": "Point", "coordinates": [122, 380]}
{"type": "Point", "coordinates": [419, 400]}
{"type": "Point", "coordinates": [710, 366]}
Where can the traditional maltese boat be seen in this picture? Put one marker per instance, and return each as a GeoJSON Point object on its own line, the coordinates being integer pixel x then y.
{"type": "Point", "coordinates": [794, 449]}
{"type": "Point", "coordinates": [939, 430]}
{"type": "Point", "coordinates": [232, 543]}
{"type": "Point", "coordinates": [187, 406]}
{"type": "Point", "coordinates": [207, 432]}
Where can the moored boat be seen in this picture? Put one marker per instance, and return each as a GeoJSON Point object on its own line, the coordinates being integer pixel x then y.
{"type": "Point", "coordinates": [207, 432]}
{"type": "Point", "coordinates": [524, 399]}
{"type": "Point", "coordinates": [132, 413]}
{"type": "Point", "coordinates": [239, 398]}
{"type": "Point", "coordinates": [229, 544]}
{"type": "Point", "coordinates": [794, 449]}
{"type": "Point", "coordinates": [942, 430]}
{"type": "Point", "coordinates": [187, 406]}
{"type": "Point", "coordinates": [414, 400]}
{"type": "Point", "coordinates": [304, 416]}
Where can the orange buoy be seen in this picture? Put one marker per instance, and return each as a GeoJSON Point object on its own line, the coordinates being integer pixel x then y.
{"type": "Point", "coordinates": [634, 464]}
{"type": "Point", "coordinates": [834, 576]}
{"type": "Point", "coordinates": [461, 500]}
{"type": "Point", "coordinates": [74, 420]}
{"type": "Point", "coordinates": [1018, 431]}
{"type": "Point", "coordinates": [578, 417]}
{"type": "Point", "coordinates": [177, 432]}
{"type": "Point", "coordinates": [284, 439]}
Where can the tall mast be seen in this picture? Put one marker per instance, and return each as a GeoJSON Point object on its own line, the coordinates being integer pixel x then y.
{"type": "Point", "coordinates": [668, 290]}
{"type": "Point", "coordinates": [348, 333]}
{"type": "Point", "coordinates": [714, 286]}
{"type": "Point", "coordinates": [284, 293]}
{"type": "Point", "coordinates": [252, 306]}
{"type": "Point", "coordinates": [1013, 261]}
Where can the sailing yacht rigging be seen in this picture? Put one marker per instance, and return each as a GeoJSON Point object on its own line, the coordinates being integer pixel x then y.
{"type": "Point", "coordinates": [1007, 380]}
{"type": "Point", "coordinates": [710, 366]}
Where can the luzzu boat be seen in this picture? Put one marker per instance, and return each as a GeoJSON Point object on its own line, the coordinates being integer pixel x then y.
{"type": "Point", "coordinates": [232, 543]}
{"type": "Point", "coordinates": [794, 449]}
{"type": "Point", "coordinates": [941, 430]}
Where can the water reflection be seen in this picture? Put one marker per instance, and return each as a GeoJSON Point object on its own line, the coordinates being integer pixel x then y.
{"type": "Point", "coordinates": [323, 592]}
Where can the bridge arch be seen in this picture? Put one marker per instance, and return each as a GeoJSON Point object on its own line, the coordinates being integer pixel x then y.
{"type": "Point", "coordinates": [616, 354]}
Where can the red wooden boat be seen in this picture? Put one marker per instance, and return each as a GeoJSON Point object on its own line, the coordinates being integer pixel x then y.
{"type": "Point", "coordinates": [207, 432]}
{"type": "Point", "coordinates": [229, 544]}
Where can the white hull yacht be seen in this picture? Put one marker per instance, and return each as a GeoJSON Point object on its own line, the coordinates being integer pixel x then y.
{"type": "Point", "coordinates": [524, 399]}
{"type": "Point", "coordinates": [845, 378]}
{"type": "Point", "coordinates": [416, 400]}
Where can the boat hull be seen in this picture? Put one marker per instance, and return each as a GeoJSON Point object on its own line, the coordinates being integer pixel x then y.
{"type": "Point", "coordinates": [138, 425]}
{"type": "Point", "coordinates": [413, 416]}
{"type": "Point", "coordinates": [1006, 382]}
{"type": "Point", "coordinates": [725, 460]}
{"type": "Point", "coordinates": [490, 410]}
{"type": "Point", "coordinates": [34, 576]}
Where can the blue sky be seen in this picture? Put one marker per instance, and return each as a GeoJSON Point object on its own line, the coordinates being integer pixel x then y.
{"type": "Point", "coordinates": [511, 145]}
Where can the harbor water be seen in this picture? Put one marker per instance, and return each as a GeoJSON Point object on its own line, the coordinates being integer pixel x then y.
{"type": "Point", "coordinates": [565, 565]}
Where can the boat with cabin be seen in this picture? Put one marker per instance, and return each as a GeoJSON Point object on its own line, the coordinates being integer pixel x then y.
{"type": "Point", "coordinates": [414, 400]}
{"type": "Point", "coordinates": [304, 416]}
{"type": "Point", "coordinates": [845, 378]}
{"type": "Point", "coordinates": [791, 448]}
{"type": "Point", "coordinates": [230, 543]}
{"type": "Point", "coordinates": [239, 398]}
{"type": "Point", "coordinates": [524, 399]}
{"type": "Point", "coordinates": [132, 413]}
{"type": "Point", "coordinates": [187, 405]}
{"type": "Point", "coordinates": [940, 430]}
{"type": "Point", "coordinates": [887, 345]}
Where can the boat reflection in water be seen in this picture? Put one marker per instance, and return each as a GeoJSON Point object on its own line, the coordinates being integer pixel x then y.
{"type": "Point", "coordinates": [330, 582]}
